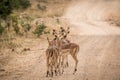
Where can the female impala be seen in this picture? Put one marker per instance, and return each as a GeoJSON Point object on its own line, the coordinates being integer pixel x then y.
{"type": "Point", "coordinates": [66, 47]}
{"type": "Point", "coordinates": [52, 54]}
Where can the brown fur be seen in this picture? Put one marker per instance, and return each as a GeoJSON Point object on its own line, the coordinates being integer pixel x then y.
{"type": "Point", "coordinates": [72, 48]}
{"type": "Point", "coordinates": [52, 55]}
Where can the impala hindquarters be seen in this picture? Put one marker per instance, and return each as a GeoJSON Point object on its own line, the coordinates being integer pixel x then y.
{"type": "Point", "coordinates": [71, 49]}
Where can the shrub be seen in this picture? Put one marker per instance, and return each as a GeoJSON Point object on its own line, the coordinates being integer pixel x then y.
{"type": "Point", "coordinates": [20, 4]}
{"type": "Point", "coordinates": [1, 29]}
{"type": "Point", "coordinates": [14, 19]}
{"type": "Point", "coordinates": [26, 27]}
{"type": "Point", "coordinates": [16, 28]}
{"type": "Point", "coordinates": [43, 1]}
{"type": "Point", "coordinates": [25, 23]}
{"type": "Point", "coordinates": [7, 6]}
{"type": "Point", "coordinates": [39, 30]}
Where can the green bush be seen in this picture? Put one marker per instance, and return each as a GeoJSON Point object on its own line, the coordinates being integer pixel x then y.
{"type": "Point", "coordinates": [16, 28]}
{"type": "Point", "coordinates": [39, 30]}
{"type": "Point", "coordinates": [43, 1]}
{"type": "Point", "coordinates": [20, 4]}
{"type": "Point", "coordinates": [1, 29]}
{"type": "Point", "coordinates": [14, 19]}
{"type": "Point", "coordinates": [7, 6]}
{"type": "Point", "coordinates": [26, 27]}
{"type": "Point", "coordinates": [25, 23]}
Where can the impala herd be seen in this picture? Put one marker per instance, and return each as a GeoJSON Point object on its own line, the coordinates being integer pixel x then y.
{"type": "Point", "coordinates": [57, 52]}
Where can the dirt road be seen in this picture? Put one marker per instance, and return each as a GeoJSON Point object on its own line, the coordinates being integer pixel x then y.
{"type": "Point", "coordinates": [98, 60]}
{"type": "Point", "coordinates": [99, 55]}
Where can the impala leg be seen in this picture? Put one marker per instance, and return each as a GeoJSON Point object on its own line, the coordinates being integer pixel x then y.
{"type": "Point", "coordinates": [63, 63]}
{"type": "Point", "coordinates": [48, 68]}
{"type": "Point", "coordinates": [60, 64]}
{"type": "Point", "coordinates": [66, 63]}
{"type": "Point", "coordinates": [51, 71]}
{"type": "Point", "coordinates": [76, 63]}
{"type": "Point", "coordinates": [56, 67]}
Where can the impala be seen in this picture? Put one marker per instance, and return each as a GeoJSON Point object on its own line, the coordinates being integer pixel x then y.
{"type": "Point", "coordinates": [52, 55]}
{"type": "Point", "coordinates": [66, 47]}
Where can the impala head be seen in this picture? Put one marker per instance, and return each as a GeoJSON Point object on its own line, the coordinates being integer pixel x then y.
{"type": "Point", "coordinates": [54, 32]}
{"type": "Point", "coordinates": [52, 42]}
{"type": "Point", "coordinates": [63, 33]}
{"type": "Point", "coordinates": [57, 38]}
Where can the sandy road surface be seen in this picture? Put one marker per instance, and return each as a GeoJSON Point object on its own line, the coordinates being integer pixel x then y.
{"type": "Point", "coordinates": [99, 55]}
{"type": "Point", "coordinates": [98, 60]}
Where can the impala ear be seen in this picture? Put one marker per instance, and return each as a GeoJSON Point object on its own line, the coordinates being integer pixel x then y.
{"type": "Point", "coordinates": [56, 36]}
{"type": "Point", "coordinates": [65, 36]}
{"type": "Point", "coordinates": [68, 32]}
{"type": "Point", "coordinates": [54, 32]}
{"type": "Point", "coordinates": [62, 29]}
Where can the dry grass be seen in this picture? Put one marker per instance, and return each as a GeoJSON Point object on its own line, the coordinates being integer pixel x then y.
{"type": "Point", "coordinates": [54, 8]}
